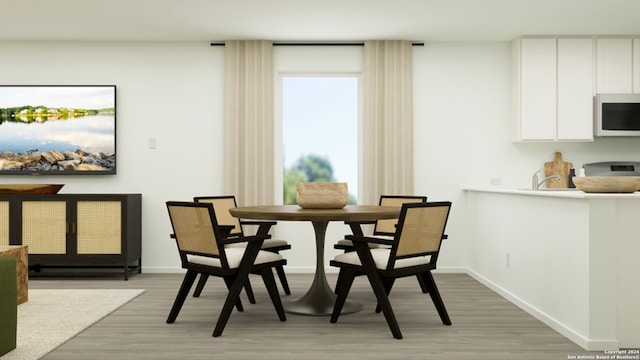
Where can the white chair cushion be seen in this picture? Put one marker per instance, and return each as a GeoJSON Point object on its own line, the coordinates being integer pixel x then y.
{"type": "Point", "coordinates": [234, 256]}
{"type": "Point", "coordinates": [346, 242]}
{"type": "Point", "coordinates": [236, 245]}
{"type": "Point", "coordinates": [381, 259]}
{"type": "Point", "coordinates": [269, 243]}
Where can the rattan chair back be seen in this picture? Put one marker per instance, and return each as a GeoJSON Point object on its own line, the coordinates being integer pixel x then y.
{"type": "Point", "coordinates": [387, 227]}
{"type": "Point", "coordinates": [195, 229]}
{"type": "Point", "coordinates": [221, 206]}
{"type": "Point", "coordinates": [421, 229]}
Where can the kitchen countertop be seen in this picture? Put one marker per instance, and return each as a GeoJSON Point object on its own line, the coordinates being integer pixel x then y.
{"type": "Point", "coordinates": [574, 194]}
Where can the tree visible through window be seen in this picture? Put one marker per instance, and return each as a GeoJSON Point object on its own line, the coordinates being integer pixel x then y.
{"type": "Point", "coordinates": [320, 132]}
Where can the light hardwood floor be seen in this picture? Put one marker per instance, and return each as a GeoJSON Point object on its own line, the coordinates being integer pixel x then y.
{"type": "Point", "coordinates": [485, 326]}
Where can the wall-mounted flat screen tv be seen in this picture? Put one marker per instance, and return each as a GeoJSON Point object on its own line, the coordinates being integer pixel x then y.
{"type": "Point", "coordinates": [57, 130]}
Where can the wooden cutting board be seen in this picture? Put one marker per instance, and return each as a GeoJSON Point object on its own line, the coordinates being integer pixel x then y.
{"type": "Point", "coordinates": [560, 168]}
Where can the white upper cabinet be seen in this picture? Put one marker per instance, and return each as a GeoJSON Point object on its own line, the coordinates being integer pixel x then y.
{"type": "Point", "coordinates": [576, 89]}
{"type": "Point", "coordinates": [535, 89]}
{"type": "Point", "coordinates": [614, 65]}
{"type": "Point", "coordinates": [553, 88]}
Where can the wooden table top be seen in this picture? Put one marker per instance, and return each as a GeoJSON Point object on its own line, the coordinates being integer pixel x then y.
{"type": "Point", "coordinates": [296, 213]}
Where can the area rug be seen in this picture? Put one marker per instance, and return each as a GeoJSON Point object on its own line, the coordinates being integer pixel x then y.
{"type": "Point", "coordinates": [52, 317]}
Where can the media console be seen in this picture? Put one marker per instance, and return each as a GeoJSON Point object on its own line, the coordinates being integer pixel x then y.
{"type": "Point", "coordinates": [75, 234]}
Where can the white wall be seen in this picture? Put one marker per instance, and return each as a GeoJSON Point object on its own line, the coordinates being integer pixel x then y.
{"type": "Point", "coordinates": [462, 134]}
{"type": "Point", "coordinates": [170, 91]}
{"type": "Point", "coordinates": [174, 92]}
{"type": "Point", "coordinates": [461, 109]}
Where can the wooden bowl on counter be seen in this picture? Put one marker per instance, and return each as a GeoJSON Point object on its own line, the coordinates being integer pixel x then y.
{"type": "Point", "coordinates": [607, 184]}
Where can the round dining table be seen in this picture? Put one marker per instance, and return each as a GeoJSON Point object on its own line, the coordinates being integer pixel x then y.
{"type": "Point", "coordinates": [319, 298]}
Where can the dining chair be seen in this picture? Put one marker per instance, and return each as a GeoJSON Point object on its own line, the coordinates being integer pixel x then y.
{"type": "Point", "coordinates": [202, 245]}
{"type": "Point", "coordinates": [413, 251]}
{"type": "Point", "coordinates": [222, 204]}
{"type": "Point", "coordinates": [384, 227]}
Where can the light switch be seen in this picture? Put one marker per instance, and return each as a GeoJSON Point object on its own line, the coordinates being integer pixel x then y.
{"type": "Point", "coordinates": [152, 143]}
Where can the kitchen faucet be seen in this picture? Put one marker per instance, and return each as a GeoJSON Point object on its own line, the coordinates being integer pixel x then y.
{"type": "Point", "coordinates": [535, 184]}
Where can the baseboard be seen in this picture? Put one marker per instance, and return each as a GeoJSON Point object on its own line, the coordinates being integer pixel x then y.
{"type": "Point", "coordinates": [162, 270]}
{"type": "Point", "coordinates": [585, 343]}
{"type": "Point", "coordinates": [288, 269]}
{"type": "Point", "coordinates": [294, 270]}
{"type": "Point", "coordinates": [451, 270]}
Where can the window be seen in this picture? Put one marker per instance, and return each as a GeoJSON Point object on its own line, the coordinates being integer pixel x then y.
{"type": "Point", "coordinates": [320, 131]}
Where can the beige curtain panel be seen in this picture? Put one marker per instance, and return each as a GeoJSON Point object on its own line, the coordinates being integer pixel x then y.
{"type": "Point", "coordinates": [387, 120]}
{"type": "Point", "coordinates": [248, 122]}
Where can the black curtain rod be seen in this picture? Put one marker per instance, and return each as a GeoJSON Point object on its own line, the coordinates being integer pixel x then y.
{"type": "Point", "coordinates": [317, 44]}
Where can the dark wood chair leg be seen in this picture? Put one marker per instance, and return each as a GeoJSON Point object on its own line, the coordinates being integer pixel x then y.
{"type": "Point", "coordinates": [338, 281]}
{"type": "Point", "coordinates": [203, 281]}
{"type": "Point", "coordinates": [383, 301]}
{"type": "Point", "coordinates": [423, 287]}
{"type": "Point", "coordinates": [187, 282]}
{"type": "Point", "coordinates": [283, 280]}
{"type": "Point", "coordinates": [378, 288]}
{"type": "Point", "coordinates": [239, 280]}
{"type": "Point", "coordinates": [272, 289]}
{"type": "Point", "coordinates": [249, 290]}
{"type": "Point", "coordinates": [342, 289]}
{"type": "Point", "coordinates": [228, 280]}
{"type": "Point", "coordinates": [427, 277]}
{"type": "Point", "coordinates": [347, 250]}
{"type": "Point", "coordinates": [233, 299]}
{"type": "Point", "coordinates": [200, 286]}
{"type": "Point", "coordinates": [281, 275]}
{"type": "Point", "coordinates": [388, 284]}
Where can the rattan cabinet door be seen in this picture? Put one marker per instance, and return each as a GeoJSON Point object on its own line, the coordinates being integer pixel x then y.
{"type": "Point", "coordinates": [44, 226]}
{"type": "Point", "coordinates": [99, 227]}
{"type": "Point", "coordinates": [4, 223]}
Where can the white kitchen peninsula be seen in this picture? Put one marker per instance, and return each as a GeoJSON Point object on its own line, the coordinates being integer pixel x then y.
{"type": "Point", "coordinates": [570, 259]}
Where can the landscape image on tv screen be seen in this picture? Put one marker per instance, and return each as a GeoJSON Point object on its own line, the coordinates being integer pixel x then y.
{"type": "Point", "coordinates": [57, 129]}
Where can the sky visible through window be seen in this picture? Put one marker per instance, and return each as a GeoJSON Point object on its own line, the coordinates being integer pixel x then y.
{"type": "Point", "coordinates": [320, 117]}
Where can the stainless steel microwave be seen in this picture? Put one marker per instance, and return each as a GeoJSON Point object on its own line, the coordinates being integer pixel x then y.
{"type": "Point", "coordinates": [617, 115]}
